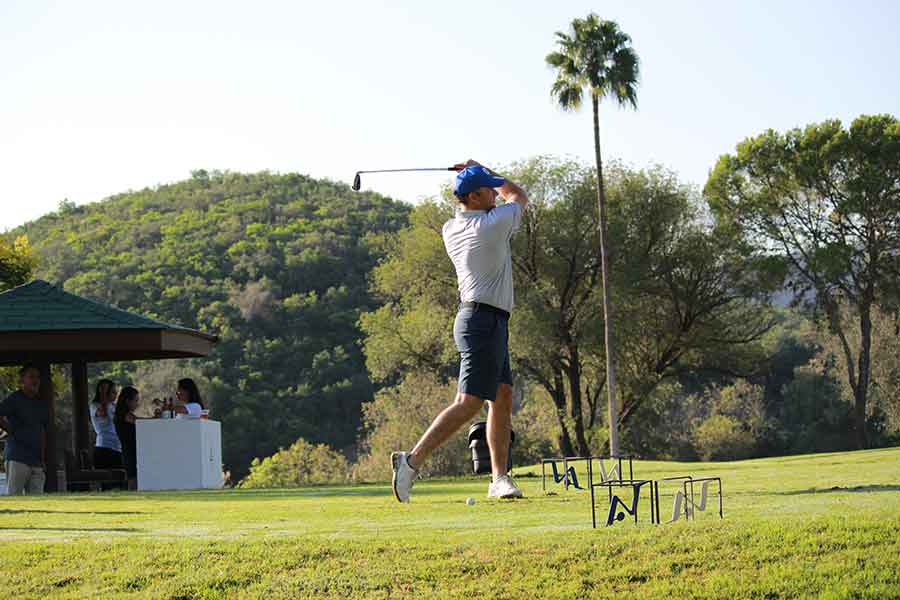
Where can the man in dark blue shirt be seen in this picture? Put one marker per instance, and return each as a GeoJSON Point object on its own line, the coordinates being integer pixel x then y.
{"type": "Point", "coordinates": [24, 415]}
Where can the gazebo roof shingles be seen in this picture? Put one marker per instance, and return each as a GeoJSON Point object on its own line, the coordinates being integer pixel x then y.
{"type": "Point", "coordinates": [40, 322]}
{"type": "Point", "coordinates": [40, 306]}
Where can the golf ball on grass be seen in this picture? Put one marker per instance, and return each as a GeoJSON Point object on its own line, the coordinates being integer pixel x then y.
{"type": "Point", "coordinates": [470, 501]}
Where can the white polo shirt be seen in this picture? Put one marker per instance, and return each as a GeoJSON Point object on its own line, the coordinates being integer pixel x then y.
{"type": "Point", "coordinates": [477, 242]}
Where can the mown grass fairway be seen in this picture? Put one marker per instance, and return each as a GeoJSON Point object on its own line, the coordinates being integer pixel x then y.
{"type": "Point", "coordinates": [808, 526]}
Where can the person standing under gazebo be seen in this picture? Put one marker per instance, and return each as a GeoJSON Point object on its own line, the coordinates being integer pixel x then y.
{"type": "Point", "coordinates": [124, 418]}
{"type": "Point", "coordinates": [24, 415]}
{"type": "Point", "coordinates": [108, 448]}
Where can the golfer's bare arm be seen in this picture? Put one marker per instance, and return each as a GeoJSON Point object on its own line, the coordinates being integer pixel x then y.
{"type": "Point", "coordinates": [510, 192]}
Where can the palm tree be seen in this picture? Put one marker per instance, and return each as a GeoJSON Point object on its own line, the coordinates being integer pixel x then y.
{"type": "Point", "coordinates": [598, 56]}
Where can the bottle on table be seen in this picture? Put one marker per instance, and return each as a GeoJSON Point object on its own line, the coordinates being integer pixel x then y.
{"type": "Point", "coordinates": [166, 412]}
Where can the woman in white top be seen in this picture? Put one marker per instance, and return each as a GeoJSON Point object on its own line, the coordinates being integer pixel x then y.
{"type": "Point", "coordinates": [108, 448]}
{"type": "Point", "coordinates": [188, 395]}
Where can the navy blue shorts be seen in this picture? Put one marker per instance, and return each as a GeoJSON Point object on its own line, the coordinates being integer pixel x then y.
{"type": "Point", "coordinates": [482, 338]}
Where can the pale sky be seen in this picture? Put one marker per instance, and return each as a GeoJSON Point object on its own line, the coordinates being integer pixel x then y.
{"type": "Point", "coordinates": [100, 97]}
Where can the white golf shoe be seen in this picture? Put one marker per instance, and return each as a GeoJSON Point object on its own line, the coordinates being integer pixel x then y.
{"type": "Point", "coordinates": [404, 476]}
{"type": "Point", "coordinates": [504, 487]}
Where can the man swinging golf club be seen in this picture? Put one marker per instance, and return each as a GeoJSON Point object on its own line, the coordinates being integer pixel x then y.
{"type": "Point", "coordinates": [477, 241]}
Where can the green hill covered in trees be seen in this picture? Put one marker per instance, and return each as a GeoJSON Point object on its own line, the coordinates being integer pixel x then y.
{"type": "Point", "coordinates": [276, 265]}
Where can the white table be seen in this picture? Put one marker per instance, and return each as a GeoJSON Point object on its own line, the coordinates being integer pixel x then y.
{"type": "Point", "coordinates": [179, 454]}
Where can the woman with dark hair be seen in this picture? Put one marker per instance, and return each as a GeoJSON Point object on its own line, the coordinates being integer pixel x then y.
{"type": "Point", "coordinates": [108, 448]}
{"type": "Point", "coordinates": [127, 403]}
{"type": "Point", "coordinates": [189, 397]}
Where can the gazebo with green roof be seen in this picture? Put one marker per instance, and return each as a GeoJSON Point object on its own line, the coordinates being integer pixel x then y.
{"type": "Point", "coordinates": [43, 324]}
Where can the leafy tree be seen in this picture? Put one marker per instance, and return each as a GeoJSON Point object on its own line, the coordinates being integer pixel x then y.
{"type": "Point", "coordinates": [821, 207]}
{"type": "Point", "coordinates": [17, 262]}
{"type": "Point", "coordinates": [884, 393]}
{"type": "Point", "coordinates": [689, 306]}
{"type": "Point", "coordinates": [556, 255]}
{"type": "Point", "coordinates": [17, 266]}
{"type": "Point", "coordinates": [67, 207]}
{"type": "Point", "coordinates": [598, 56]}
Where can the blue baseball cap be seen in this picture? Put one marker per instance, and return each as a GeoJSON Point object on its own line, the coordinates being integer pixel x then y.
{"type": "Point", "coordinates": [474, 177]}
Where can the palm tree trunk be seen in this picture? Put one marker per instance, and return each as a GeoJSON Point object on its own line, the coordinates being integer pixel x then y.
{"type": "Point", "coordinates": [607, 307]}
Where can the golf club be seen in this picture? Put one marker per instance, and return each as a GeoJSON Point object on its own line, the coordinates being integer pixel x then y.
{"type": "Point", "coordinates": [356, 182]}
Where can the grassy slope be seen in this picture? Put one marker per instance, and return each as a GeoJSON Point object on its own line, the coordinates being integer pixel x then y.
{"type": "Point", "coordinates": [787, 533]}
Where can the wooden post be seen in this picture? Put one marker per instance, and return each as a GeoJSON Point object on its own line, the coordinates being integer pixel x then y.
{"type": "Point", "coordinates": [81, 417]}
{"type": "Point", "coordinates": [48, 395]}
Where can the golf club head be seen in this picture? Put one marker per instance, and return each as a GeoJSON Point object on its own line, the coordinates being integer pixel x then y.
{"type": "Point", "coordinates": [356, 182]}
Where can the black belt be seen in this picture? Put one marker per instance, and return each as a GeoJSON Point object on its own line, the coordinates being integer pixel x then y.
{"type": "Point", "coordinates": [482, 306]}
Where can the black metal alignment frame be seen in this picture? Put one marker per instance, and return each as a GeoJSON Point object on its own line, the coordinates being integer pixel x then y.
{"type": "Point", "coordinates": [565, 460]}
{"type": "Point", "coordinates": [636, 485]}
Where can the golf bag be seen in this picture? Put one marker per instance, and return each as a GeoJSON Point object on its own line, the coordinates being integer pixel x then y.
{"type": "Point", "coordinates": [481, 454]}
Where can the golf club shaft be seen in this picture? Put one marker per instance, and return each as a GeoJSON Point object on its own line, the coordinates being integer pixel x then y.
{"type": "Point", "coordinates": [409, 170]}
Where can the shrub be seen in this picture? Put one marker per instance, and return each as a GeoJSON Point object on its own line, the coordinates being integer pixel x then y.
{"type": "Point", "coordinates": [721, 437]}
{"type": "Point", "coordinates": [301, 464]}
